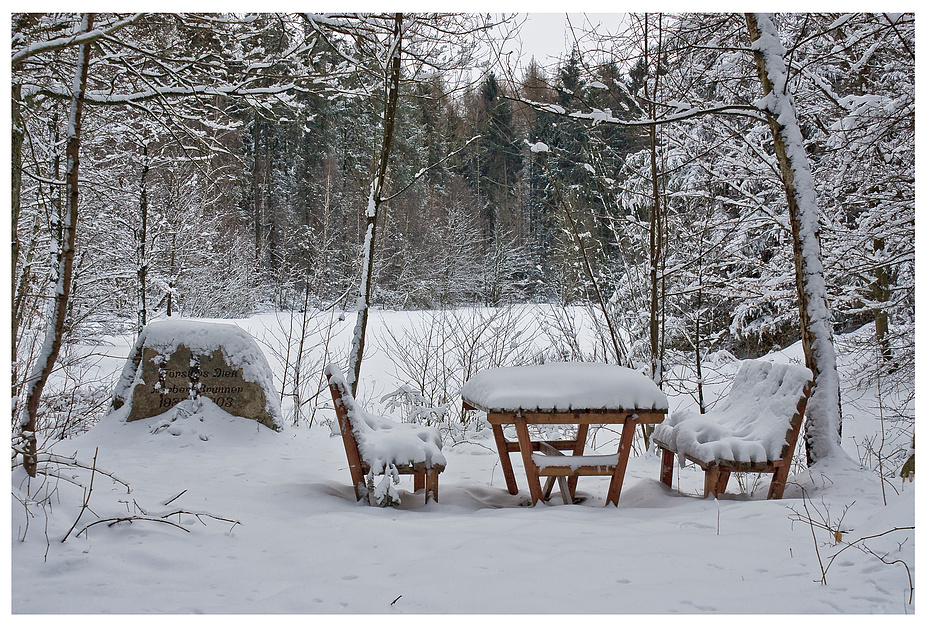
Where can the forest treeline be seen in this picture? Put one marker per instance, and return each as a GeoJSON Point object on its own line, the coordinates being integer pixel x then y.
{"type": "Point", "coordinates": [226, 164]}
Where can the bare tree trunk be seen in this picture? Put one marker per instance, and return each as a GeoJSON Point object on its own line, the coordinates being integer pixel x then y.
{"type": "Point", "coordinates": [15, 190]}
{"type": "Point", "coordinates": [655, 230]}
{"type": "Point", "coordinates": [142, 241]}
{"type": "Point", "coordinates": [880, 290]}
{"type": "Point", "coordinates": [257, 196]}
{"type": "Point", "coordinates": [58, 308]}
{"type": "Point", "coordinates": [823, 411]}
{"type": "Point", "coordinates": [392, 79]}
{"type": "Point", "coordinates": [656, 365]}
{"type": "Point", "coordinates": [697, 330]}
{"type": "Point", "coordinates": [174, 274]}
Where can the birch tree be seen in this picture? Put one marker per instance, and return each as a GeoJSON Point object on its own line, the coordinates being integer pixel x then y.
{"type": "Point", "coordinates": [823, 422]}
{"type": "Point", "coordinates": [58, 307]}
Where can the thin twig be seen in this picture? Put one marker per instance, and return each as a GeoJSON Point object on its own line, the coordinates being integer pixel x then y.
{"type": "Point", "coordinates": [199, 517]}
{"type": "Point", "coordinates": [815, 541]}
{"type": "Point", "coordinates": [860, 539]}
{"type": "Point", "coordinates": [112, 521]}
{"type": "Point", "coordinates": [175, 497]}
{"type": "Point", "coordinates": [86, 501]}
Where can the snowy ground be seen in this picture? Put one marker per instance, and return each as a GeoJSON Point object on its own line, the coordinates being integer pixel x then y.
{"type": "Point", "coordinates": [279, 531]}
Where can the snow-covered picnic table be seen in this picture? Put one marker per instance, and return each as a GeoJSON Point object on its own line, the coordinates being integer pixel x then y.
{"type": "Point", "coordinates": [579, 394]}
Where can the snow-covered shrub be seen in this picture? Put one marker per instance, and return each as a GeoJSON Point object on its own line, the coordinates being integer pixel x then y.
{"type": "Point", "coordinates": [436, 355]}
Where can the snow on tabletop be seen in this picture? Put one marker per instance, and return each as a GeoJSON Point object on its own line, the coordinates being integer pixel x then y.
{"type": "Point", "coordinates": [383, 441]}
{"type": "Point", "coordinates": [750, 425]}
{"type": "Point", "coordinates": [563, 387]}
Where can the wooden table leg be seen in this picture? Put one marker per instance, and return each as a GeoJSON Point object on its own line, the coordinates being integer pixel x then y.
{"type": "Point", "coordinates": [526, 450]}
{"type": "Point", "coordinates": [710, 478]}
{"type": "Point", "coordinates": [505, 457]}
{"type": "Point", "coordinates": [626, 444]}
{"type": "Point", "coordinates": [580, 438]}
{"type": "Point", "coordinates": [667, 468]}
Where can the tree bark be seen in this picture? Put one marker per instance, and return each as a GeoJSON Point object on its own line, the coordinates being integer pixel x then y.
{"type": "Point", "coordinates": [880, 290]}
{"type": "Point", "coordinates": [15, 190]}
{"type": "Point", "coordinates": [391, 83]}
{"type": "Point", "coordinates": [655, 234]}
{"type": "Point", "coordinates": [59, 305]}
{"type": "Point", "coordinates": [823, 411]}
{"type": "Point", "coordinates": [257, 197]}
{"type": "Point", "coordinates": [142, 241]}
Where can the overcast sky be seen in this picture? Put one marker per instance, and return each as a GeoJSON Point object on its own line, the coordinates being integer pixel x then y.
{"type": "Point", "coordinates": [546, 34]}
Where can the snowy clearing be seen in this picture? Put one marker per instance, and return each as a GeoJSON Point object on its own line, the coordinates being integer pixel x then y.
{"type": "Point", "coordinates": [267, 522]}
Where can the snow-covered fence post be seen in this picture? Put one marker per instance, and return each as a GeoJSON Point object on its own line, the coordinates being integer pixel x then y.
{"type": "Point", "coordinates": [823, 411]}
{"type": "Point", "coordinates": [58, 308]}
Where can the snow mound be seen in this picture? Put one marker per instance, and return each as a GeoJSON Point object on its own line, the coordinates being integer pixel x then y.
{"type": "Point", "coordinates": [749, 426]}
{"type": "Point", "coordinates": [189, 423]}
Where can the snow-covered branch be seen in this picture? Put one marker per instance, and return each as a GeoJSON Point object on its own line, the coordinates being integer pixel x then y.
{"type": "Point", "coordinates": [678, 114]}
{"type": "Point", "coordinates": [75, 39]}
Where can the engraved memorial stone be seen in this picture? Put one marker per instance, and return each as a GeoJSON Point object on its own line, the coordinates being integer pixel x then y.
{"type": "Point", "coordinates": [177, 360]}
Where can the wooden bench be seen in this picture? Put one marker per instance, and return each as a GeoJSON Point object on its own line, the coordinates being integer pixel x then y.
{"type": "Point", "coordinates": [379, 445]}
{"type": "Point", "coordinates": [754, 429]}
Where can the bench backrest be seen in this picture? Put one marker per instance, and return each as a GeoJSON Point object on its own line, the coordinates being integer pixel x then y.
{"type": "Point", "coordinates": [766, 403]}
{"type": "Point", "coordinates": [345, 406]}
{"type": "Point", "coordinates": [377, 442]}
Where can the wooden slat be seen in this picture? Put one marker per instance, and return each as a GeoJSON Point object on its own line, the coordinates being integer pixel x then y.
{"type": "Point", "coordinates": [431, 484]}
{"type": "Point", "coordinates": [546, 448]}
{"type": "Point", "coordinates": [584, 417]}
{"type": "Point", "coordinates": [471, 406]}
{"type": "Point", "coordinates": [667, 466]}
{"type": "Point", "coordinates": [581, 438]}
{"type": "Point", "coordinates": [738, 466]}
{"type": "Point", "coordinates": [558, 444]}
{"type": "Point", "coordinates": [354, 462]}
{"type": "Point", "coordinates": [582, 470]}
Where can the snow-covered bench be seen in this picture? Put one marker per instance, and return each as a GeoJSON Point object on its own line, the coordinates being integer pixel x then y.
{"type": "Point", "coordinates": [379, 445]}
{"type": "Point", "coordinates": [753, 430]}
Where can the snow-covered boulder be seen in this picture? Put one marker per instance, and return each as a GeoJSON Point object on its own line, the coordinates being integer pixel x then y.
{"type": "Point", "coordinates": [175, 360]}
